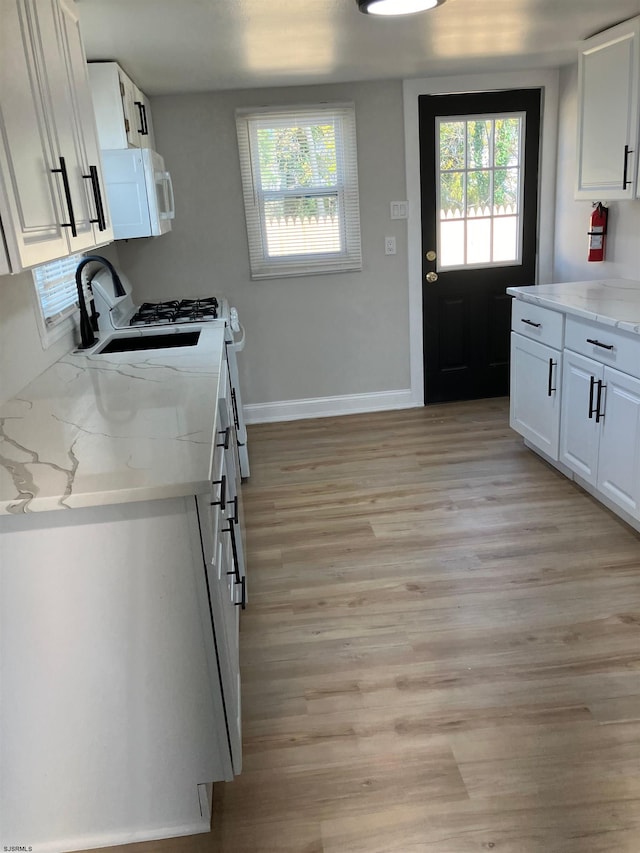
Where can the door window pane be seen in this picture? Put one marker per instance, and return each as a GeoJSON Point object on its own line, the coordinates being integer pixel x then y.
{"type": "Point", "coordinates": [507, 145]}
{"type": "Point", "coordinates": [451, 193]}
{"type": "Point", "coordinates": [452, 237]}
{"type": "Point", "coordinates": [505, 238]}
{"type": "Point", "coordinates": [479, 193]}
{"type": "Point", "coordinates": [478, 241]}
{"type": "Point", "coordinates": [480, 179]}
{"type": "Point", "coordinates": [479, 139]}
{"type": "Point", "coordinates": [452, 147]}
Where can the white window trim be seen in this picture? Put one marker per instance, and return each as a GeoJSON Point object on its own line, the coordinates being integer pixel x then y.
{"type": "Point", "coordinates": [350, 258]}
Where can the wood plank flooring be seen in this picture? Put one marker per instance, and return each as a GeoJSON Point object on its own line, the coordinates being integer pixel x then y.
{"type": "Point", "coordinates": [441, 653]}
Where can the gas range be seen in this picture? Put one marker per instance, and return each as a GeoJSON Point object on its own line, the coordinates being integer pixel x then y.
{"type": "Point", "coordinates": [120, 312]}
{"type": "Point", "coordinates": [177, 311]}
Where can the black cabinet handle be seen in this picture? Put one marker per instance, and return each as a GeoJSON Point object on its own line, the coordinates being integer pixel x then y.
{"type": "Point", "coordinates": [627, 151]}
{"type": "Point", "coordinates": [235, 408]}
{"type": "Point", "coordinates": [599, 414]}
{"type": "Point", "coordinates": [591, 386]}
{"type": "Point", "coordinates": [143, 118]}
{"type": "Point", "coordinates": [530, 323]}
{"type": "Point", "coordinates": [227, 435]}
{"type": "Point", "coordinates": [67, 194]}
{"type": "Point", "coordinates": [97, 197]}
{"type": "Point", "coordinates": [243, 601]}
{"type": "Point", "coordinates": [234, 550]}
{"type": "Point", "coordinates": [550, 387]}
{"type": "Point", "coordinates": [223, 488]}
{"type": "Point", "coordinates": [234, 517]}
{"type": "Point", "coordinates": [598, 344]}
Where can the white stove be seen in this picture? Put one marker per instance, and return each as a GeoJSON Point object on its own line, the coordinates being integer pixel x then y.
{"type": "Point", "coordinates": [120, 312]}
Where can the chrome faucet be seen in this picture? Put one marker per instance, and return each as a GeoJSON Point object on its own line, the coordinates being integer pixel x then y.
{"type": "Point", "coordinates": [87, 327]}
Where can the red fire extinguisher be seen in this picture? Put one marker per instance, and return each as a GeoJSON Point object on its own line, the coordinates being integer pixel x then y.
{"type": "Point", "coordinates": [598, 232]}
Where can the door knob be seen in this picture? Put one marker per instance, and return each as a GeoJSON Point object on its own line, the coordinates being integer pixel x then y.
{"type": "Point", "coordinates": [431, 255]}
{"type": "Point", "coordinates": [431, 276]}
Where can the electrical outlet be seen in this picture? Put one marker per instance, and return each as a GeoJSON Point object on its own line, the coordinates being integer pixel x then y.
{"type": "Point", "coordinates": [389, 245]}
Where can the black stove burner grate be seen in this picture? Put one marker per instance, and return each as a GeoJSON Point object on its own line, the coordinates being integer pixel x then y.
{"type": "Point", "coordinates": [176, 311]}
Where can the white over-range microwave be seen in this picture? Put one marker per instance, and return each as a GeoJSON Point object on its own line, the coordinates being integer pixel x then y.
{"type": "Point", "coordinates": [139, 191]}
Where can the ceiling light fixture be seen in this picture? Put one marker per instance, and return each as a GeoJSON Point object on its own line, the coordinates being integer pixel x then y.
{"type": "Point", "coordinates": [396, 7]}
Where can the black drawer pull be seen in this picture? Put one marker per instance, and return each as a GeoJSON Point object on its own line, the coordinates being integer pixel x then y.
{"type": "Point", "coordinates": [550, 387]}
{"type": "Point", "coordinates": [531, 323]}
{"type": "Point", "coordinates": [223, 488]}
{"type": "Point", "coordinates": [598, 344]}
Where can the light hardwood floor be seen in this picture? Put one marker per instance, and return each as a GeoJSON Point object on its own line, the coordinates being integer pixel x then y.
{"type": "Point", "coordinates": [442, 648]}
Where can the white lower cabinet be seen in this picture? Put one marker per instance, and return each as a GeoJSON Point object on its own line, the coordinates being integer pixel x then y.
{"type": "Point", "coordinates": [580, 429]}
{"type": "Point", "coordinates": [579, 401]}
{"type": "Point", "coordinates": [534, 410]}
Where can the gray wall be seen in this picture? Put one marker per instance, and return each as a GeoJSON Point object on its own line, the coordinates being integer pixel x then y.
{"type": "Point", "coordinates": [308, 337]}
{"type": "Point", "coordinates": [572, 217]}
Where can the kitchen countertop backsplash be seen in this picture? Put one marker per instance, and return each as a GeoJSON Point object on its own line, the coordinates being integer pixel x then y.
{"type": "Point", "coordinates": [102, 429]}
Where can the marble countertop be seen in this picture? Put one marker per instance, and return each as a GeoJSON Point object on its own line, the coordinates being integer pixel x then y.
{"type": "Point", "coordinates": [612, 302]}
{"type": "Point", "coordinates": [104, 429]}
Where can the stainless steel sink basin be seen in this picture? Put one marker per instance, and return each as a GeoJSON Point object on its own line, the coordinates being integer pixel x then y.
{"type": "Point", "coordinates": [159, 340]}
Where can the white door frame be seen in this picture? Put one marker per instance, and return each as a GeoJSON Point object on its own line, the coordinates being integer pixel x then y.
{"type": "Point", "coordinates": [547, 80]}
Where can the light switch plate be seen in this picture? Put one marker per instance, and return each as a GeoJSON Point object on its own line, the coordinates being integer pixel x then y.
{"type": "Point", "coordinates": [399, 209]}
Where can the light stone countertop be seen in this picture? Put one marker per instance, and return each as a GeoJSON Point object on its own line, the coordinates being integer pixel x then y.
{"type": "Point", "coordinates": [612, 302]}
{"type": "Point", "coordinates": [104, 429]}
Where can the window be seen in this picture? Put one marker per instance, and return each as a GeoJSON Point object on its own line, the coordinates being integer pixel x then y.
{"type": "Point", "coordinates": [300, 185]}
{"type": "Point", "coordinates": [480, 190]}
{"type": "Point", "coordinates": [57, 296]}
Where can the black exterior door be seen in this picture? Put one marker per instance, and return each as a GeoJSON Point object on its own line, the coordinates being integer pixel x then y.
{"type": "Point", "coordinates": [479, 188]}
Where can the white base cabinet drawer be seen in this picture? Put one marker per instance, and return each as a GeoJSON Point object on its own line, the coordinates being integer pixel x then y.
{"type": "Point", "coordinates": [605, 344]}
{"type": "Point", "coordinates": [534, 405]}
{"type": "Point", "coordinates": [538, 323]}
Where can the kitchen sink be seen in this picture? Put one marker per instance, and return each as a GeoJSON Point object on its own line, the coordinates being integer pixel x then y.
{"type": "Point", "coordinates": [135, 343]}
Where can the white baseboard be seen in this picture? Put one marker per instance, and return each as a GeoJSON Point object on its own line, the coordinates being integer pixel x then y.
{"type": "Point", "coordinates": [324, 407]}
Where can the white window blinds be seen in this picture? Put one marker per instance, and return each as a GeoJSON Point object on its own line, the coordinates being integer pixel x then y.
{"type": "Point", "coordinates": [300, 185]}
{"type": "Point", "coordinates": [56, 287]}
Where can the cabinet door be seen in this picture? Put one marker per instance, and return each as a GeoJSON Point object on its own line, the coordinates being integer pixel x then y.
{"type": "Point", "coordinates": [580, 432]}
{"type": "Point", "coordinates": [619, 455]}
{"type": "Point", "coordinates": [142, 104]}
{"type": "Point", "coordinates": [534, 404]}
{"type": "Point", "coordinates": [131, 112]}
{"type": "Point", "coordinates": [608, 81]}
{"type": "Point", "coordinates": [89, 181]}
{"type": "Point", "coordinates": [30, 193]}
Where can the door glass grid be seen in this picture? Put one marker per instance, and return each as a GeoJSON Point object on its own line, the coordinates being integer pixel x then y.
{"type": "Point", "coordinates": [480, 180]}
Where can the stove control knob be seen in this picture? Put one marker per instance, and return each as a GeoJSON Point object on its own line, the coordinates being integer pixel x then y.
{"type": "Point", "coordinates": [233, 320]}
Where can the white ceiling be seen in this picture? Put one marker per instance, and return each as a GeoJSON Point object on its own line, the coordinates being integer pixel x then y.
{"type": "Point", "coordinates": [202, 45]}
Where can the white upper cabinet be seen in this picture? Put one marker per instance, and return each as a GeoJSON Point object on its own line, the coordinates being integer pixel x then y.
{"type": "Point", "coordinates": [608, 91]}
{"type": "Point", "coordinates": [123, 112]}
{"type": "Point", "coordinates": [51, 188]}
